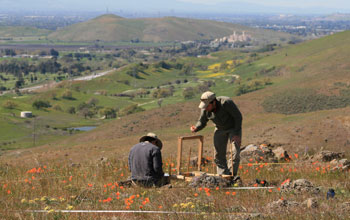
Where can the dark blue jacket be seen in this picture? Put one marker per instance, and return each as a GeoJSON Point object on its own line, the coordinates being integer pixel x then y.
{"type": "Point", "coordinates": [145, 162]}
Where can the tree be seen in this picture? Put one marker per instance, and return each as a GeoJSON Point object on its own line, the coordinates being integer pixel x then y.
{"type": "Point", "coordinates": [39, 104]}
{"type": "Point", "coordinates": [108, 112]}
{"type": "Point", "coordinates": [54, 53]}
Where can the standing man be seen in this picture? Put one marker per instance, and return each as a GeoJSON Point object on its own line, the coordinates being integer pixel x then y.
{"type": "Point", "coordinates": [145, 162]}
{"type": "Point", "coordinates": [228, 127]}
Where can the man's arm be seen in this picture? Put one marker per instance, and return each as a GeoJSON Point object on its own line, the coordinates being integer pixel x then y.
{"type": "Point", "coordinates": [201, 123]}
{"type": "Point", "coordinates": [157, 163]}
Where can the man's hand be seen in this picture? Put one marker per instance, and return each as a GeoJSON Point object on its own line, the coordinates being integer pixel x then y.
{"type": "Point", "coordinates": [193, 129]}
{"type": "Point", "coordinates": [237, 140]}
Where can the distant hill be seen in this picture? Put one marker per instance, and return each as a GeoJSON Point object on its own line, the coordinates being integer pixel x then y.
{"type": "Point", "coordinates": [112, 28]}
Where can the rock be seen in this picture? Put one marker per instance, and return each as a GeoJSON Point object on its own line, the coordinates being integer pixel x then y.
{"type": "Point", "coordinates": [327, 156]}
{"type": "Point", "coordinates": [281, 204]}
{"type": "Point", "coordinates": [210, 181]}
{"type": "Point", "coordinates": [281, 154]}
{"type": "Point", "coordinates": [311, 203]}
{"type": "Point", "coordinates": [298, 186]}
{"type": "Point", "coordinates": [334, 162]}
{"type": "Point", "coordinates": [252, 153]}
{"type": "Point", "coordinates": [344, 162]}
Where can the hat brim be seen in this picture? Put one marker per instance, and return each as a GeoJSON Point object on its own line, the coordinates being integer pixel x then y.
{"type": "Point", "coordinates": [158, 142]}
{"type": "Point", "coordinates": [203, 105]}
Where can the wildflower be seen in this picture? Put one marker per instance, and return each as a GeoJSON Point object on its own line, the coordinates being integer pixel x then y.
{"type": "Point", "coordinates": [233, 193]}
{"type": "Point", "coordinates": [44, 198]}
{"type": "Point", "coordinates": [47, 208]}
{"type": "Point", "coordinates": [240, 167]}
{"type": "Point", "coordinates": [217, 188]}
{"type": "Point", "coordinates": [8, 191]}
{"type": "Point", "coordinates": [193, 206]}
{"type": "Point", "coordinates": [141, 207]}
{"type": "Point", "coordinates": [270, 190]}
{"type": "Point", "coordinates": [69, 207]}
{"type": "Point", "coordinates": [255, 185]}
{"type": "Point", "coordinates": [296, 156]}
{"type": "Point", "coordinates": [160, 207]}
{"type": "Point", "coordinates": [90, 185]}
{"type": "Point", "coordinates": [208, 193]}
{"type": "Point", "coordinates": [23, 201]}
{"type": "Point", "coordinates": [196, 194]}
{"type": "Point", "coordinates": [31, 201]}
{"type": "Point", "coordinates": [175, 205]}
{"type": "Point", "coordinates": [249, 164]}
{"type": "Point", "coordinates": [51, 211]}
{"type": "Point", "coordinates": [227, 193]}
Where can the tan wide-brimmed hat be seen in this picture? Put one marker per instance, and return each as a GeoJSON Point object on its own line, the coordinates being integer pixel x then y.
{"type": "Point", "coordinates": [152, 135]}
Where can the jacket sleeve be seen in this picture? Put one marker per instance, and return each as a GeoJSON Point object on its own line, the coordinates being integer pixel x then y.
{"type": "Point", "coordinates": [202, 121]}
{"type": "Point", "coordinates": [233, 110]}
{"type": "Point", "coordinates": [157, 163]}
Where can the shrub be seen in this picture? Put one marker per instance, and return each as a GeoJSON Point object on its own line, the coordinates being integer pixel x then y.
{"type": "Point", "coordinates": [57, 107]}
{"type": "Point", "coordinates": [189, 93]}
{"type": "Point", "coordinates": [9, 104]}
{"type": "Point", "coordinates": [67, 95]}
{"type": "Point", "coordinates": [71, 110]}
{"type": "Point", "coordinates": [132, 109]}
{"type": "Point", "coordinates": [305, 100]}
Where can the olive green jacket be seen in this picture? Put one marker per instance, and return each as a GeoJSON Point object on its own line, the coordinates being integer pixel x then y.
{"type": "Point", "coordinates": [226, 116]}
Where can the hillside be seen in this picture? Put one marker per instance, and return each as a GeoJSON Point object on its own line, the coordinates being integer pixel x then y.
{"type": "Point", "coordinates": [20, 31]}
{"type": "Point", "coordinates": [304, 107]}
{"type": "Point", "coordinates": [112, 28]}
{"type": "Point", "coordinates": [316, 67]}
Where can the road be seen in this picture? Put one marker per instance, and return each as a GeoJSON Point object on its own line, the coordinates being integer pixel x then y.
{"type": "Point", "coordinates": [53, 84]}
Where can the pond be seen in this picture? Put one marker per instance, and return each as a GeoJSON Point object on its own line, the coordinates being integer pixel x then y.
{"type": "Point", "coordinates": [85, 128]}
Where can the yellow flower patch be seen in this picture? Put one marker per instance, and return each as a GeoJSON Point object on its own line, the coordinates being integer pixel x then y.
{"type": "Point", "coordinates": [214, 75]}
{"type": "Point", "coordinates": [216, 65]}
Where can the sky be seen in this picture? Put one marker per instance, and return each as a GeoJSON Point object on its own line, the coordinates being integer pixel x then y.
{"type": "Point", "coordinates": [198, 6]}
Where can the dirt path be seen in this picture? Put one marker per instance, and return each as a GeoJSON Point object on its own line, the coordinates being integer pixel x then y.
{"type": "Point", "coordinates": [53, 84]}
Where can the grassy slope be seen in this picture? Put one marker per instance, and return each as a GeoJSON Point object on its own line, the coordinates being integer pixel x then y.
{"type": "Point", "coordinates": [296, 132]}
{"type": "Point", "coordinates": [112, 28]}
{"type": "Point", "coordinates": [10, 32]}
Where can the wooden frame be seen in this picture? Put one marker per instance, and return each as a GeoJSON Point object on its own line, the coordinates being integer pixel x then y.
{"type": "Point", "coordinates": [179, 151]}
